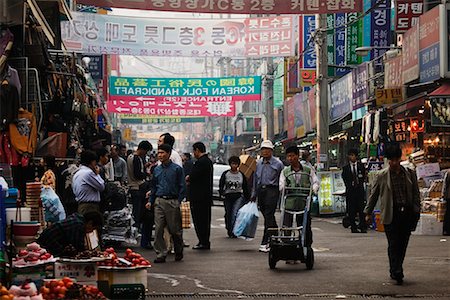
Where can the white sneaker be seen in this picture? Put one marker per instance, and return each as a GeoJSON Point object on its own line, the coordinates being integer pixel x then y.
{"type": "Point", "coordinates": [264, 248]}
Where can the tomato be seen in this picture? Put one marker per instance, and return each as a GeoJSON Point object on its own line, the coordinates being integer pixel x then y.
{"type": "Point", "coordinates": [63, 290]}
{"type": "Point", "coordinates": [128, 251]}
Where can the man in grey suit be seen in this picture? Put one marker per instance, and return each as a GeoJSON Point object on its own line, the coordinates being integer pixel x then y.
{"type": "Point", "coordinates": [399, 213]}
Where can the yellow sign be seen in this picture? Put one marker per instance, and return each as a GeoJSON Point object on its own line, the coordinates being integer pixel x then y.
{"type": "Point", "coordinates": [388, 96]}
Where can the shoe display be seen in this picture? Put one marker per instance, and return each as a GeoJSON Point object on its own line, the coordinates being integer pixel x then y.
{"type": "Point", "coordinates": [159, 260]}
{"type": "Point", "coordinates": [178, 257]}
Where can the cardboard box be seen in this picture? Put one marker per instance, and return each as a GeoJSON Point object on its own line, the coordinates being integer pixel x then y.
{"type": "Point", "coordinates": [248, 161]}
{"type": "Point", "coordinates": [125, 276]}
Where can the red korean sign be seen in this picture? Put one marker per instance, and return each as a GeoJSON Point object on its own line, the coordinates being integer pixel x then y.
{"type": "Point", "coordinates": [173, 106]}
{"type": "Point", "coordinates": [410, 55]}
{"type": "Point", "coordinates": [407, 14]}
{"type": "Point", "coordinates": [307, 77]}
{"type": "Point", "coordinates": [236, 6]}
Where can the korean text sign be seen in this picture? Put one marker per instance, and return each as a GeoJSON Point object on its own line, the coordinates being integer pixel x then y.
{"type": "Point", "coordinates": [410, 55]}
{"type": "Point", "coordinates": [236, 6]}
{"type": "Point", "coordinates": [243, 37]}
{"type": "Point", "coordinates": [407, 14]}
{"type": "Point", "coordinates": [359, 77]}
{"type": "Point", "coordinates": [341, 97]}
{"type": "Point", "coordinates": [429, 48]}
{"type": "Point", "coordinates": [181, 96]}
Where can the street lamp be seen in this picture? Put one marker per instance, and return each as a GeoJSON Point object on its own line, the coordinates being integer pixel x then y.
{"type": "Point", "coordinates": [365, 50]}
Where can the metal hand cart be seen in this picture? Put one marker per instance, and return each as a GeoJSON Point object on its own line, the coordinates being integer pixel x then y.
{"type": "Point", "coordinates": [291, 243]}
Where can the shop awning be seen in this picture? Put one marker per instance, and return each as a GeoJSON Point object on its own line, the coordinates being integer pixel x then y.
{"type": "Point", "coordinates": [443, 90]}
{"type": "Point", "coordinates": [409, 105]}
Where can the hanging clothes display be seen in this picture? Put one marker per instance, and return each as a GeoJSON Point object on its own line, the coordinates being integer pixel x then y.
{"type": "Point", "coordinates": [24, 133]}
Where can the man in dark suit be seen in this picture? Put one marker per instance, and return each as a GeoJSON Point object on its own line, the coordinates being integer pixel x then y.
{"type": "Point", "coordinates": [200, 183]}
{"type": "Point", "coordinates": [354, 176]}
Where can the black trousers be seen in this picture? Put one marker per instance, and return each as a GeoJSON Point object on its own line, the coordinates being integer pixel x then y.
{"type": "Point", "coordinates": [398, 233]}
{"type": "Point", "coordinates": [289, 220]}
{"type": "Point", "coordinates": [267, 202]}
{"type": "Point", "coordinates": [201, 217]}
{"type": "Point", "coordinates": [355, 208]}
{"type": "Point", "coordinates": [446, 226]}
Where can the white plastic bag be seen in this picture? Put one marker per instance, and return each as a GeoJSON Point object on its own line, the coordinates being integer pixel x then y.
{"type": "Point", "coordinates": [54, 210]}
{"type": "Point", "coordinates": [246, 221]}
{"type": "Point", "coordinates": [4, 186]}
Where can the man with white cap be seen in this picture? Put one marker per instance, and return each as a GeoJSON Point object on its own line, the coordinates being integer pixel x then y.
{"type": "Point", "coordinates": [266, 188]}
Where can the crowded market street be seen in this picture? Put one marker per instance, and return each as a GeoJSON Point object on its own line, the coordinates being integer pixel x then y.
{"type": "Point", "coordinates": [353, 266]}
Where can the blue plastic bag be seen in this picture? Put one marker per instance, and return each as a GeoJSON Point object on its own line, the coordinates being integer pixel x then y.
{"type": "Point", "coordinates": [246, 221]}
{"type": "Point", "coordinates": [54, 210]}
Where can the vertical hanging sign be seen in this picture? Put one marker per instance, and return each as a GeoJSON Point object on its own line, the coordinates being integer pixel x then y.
{"type": "Point", "coordinates": [354, 38]}
{"type": "Point", "coordinates": [331, 44]}
{"type": "Point", "coordinates": [380, 28]}
{"type": "Point", "coordinates": [340, 44]}
{"type": "Point", "coordinates": [309, 56]}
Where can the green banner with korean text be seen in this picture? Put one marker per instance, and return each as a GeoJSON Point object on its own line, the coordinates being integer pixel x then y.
{"type": "Point", "coordinates": [354, 38]}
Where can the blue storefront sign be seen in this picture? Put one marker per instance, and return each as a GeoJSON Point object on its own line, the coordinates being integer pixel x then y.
{"type": "Point", "coordinates": [96, 66]}
{"type": "Point", "coordinates": [429, 63]}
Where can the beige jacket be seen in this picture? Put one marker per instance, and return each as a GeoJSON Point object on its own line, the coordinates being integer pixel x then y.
{"type": "Point", "coordinates": [382, 191]}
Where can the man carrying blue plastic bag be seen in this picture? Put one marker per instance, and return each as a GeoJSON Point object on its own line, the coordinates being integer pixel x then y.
{"type": "Point", "coordinates": [246, 221]}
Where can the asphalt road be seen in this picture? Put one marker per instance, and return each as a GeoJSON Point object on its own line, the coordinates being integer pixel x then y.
{"type": "Point", "coordinates": [353, 266]}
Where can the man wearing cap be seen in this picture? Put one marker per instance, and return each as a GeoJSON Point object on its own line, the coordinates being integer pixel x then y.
{"type": "Point", "coordinates": [266, 188]}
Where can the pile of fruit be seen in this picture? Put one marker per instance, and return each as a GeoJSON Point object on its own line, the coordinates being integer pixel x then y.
{"type": "Point", "coordinates": [67, 289]}
{"type": "Point", "coordinates": [131, 259]}
{"type": "Point", "coordinates": [26, 291]}
{"type": "Point", "coordinates": [71, 252]}
{"type": "Point", "coordinates": [33, 254]}
{"type": "Point", "coordinates": [5, 294]}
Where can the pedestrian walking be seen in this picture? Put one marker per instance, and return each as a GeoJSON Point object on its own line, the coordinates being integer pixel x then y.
{"type": "Point", "coordinates": [168, 189]}
{"type": "Point", "coordinates": [234, 189]}
{"type": "Point", "coordinates": [119, 164]}
{"type": "Point", "coordinates": [266, 189]}
{"type": "Point", "coordinates": [103, 159]}
{"type": "Point", "coordinates": [87, 183]}
{"type": "Point", "coordinates": [167, 138]}
{"type": "Point", "coordinates": [354, 176]}
{"type": "Point", "coordinates": [136, 170]}
{"type": "Point", "coordinates": [297, 175]}
{"type": "Point", "coordinates": [200, 183]}
{"type": "Point", "coordinates": [446, 197]}
{"type": "Point", "coordinates": [398, 192]}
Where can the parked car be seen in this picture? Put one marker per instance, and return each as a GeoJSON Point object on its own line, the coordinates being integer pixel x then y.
{"type": "Point", "coordinates": [218, 170]}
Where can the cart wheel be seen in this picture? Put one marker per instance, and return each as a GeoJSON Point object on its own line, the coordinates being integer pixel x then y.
{"type": "Point", "coordinates": [309, 258]}
{"type": "Point", "coordinates": [272, 260]}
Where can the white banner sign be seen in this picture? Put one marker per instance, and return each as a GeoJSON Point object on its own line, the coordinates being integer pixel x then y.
{"type": "Point", "coordinates": [244, 37]}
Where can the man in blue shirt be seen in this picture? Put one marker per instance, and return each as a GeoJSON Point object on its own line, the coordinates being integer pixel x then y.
{"type": "Point", "coordinates": [168, 189]}
{"type": "Point", "coordinates": [266, 188]}
{"type": "Point", "coordinates": [87, 183]}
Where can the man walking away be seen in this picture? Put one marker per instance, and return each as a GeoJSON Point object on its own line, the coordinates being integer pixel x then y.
{"type": "Point", "coordinates": [200, 188]}
{"type": "Point", "coordinates": [136, 169]}
{"type": "Point", "coordinates": [266, 189]}
{"type": "Point", "coordinates": [168, 189]}
{"type": "Point", "coordinates": [354, 176]}
{"type": "Point", "coordinates": [398, 192]}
